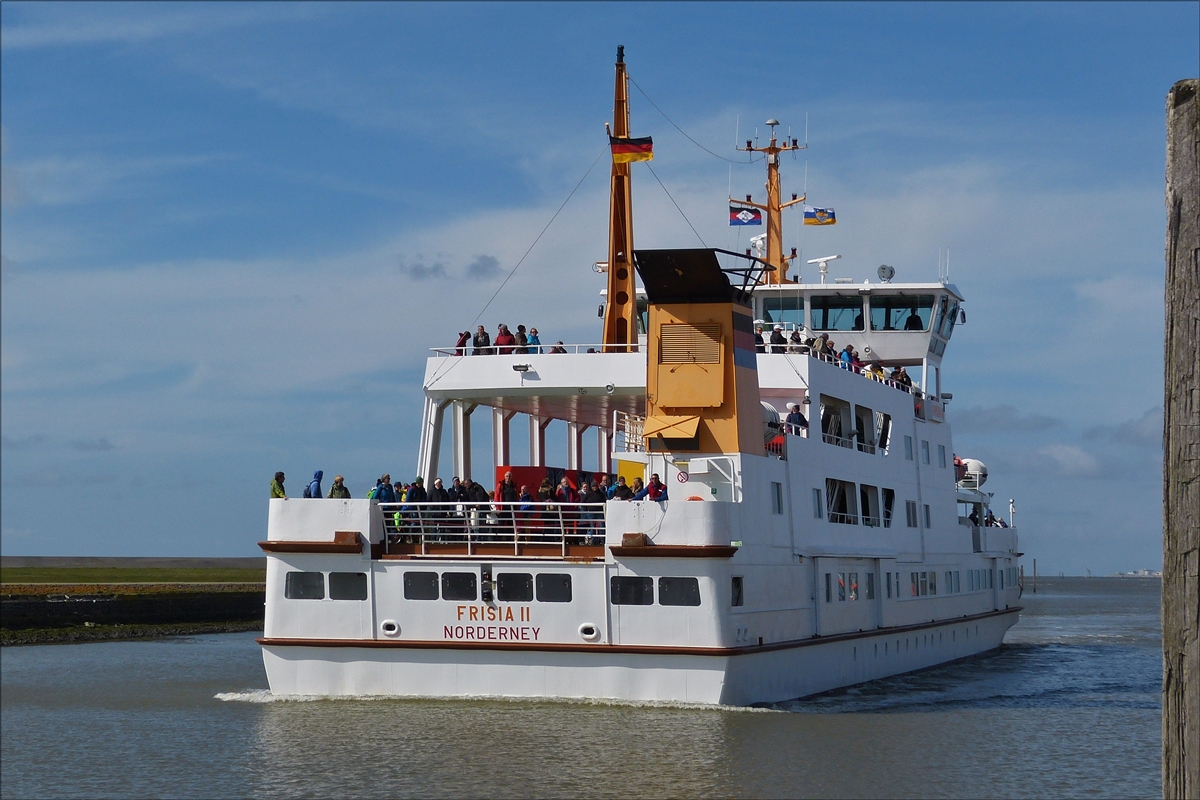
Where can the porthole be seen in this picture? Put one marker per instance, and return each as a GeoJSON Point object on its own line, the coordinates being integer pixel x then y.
{"type": "Point", "coordinates": [589, 632]}
{"type": "Point", "coordinates": [389, 627]}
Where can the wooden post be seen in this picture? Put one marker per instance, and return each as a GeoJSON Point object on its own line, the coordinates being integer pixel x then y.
{"type": "Point", "coordinates": [1181, 450]}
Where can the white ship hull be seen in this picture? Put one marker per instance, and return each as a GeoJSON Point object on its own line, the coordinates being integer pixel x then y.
{"type": "Point", "coordinates": [773, 674]}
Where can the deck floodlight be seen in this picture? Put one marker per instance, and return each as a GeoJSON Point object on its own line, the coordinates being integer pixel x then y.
{"type": "Point", "coordinates": [521, 367]}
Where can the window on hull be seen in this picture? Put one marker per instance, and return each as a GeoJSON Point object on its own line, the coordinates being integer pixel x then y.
{"type": "Point", "coordinates": [304, 586]}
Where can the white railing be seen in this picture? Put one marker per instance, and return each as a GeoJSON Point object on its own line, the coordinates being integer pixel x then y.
{"type": "Point", "coordinates": [525, 529]}
{"type": "Point", "coordinates": [843, 519]}
{"type": "Point", "coordinates": [627, 433]}
{"type": "Point", "coordinates": [542, 349]}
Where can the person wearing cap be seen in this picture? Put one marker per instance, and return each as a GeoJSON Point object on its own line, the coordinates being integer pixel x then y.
{"type": "Point", "coordinates": [795, 422]}
{"type": "Point", "coordinates": [338, 491]}
{"type": "Point", "coordinates": [416, 492]}
{"type": "Point", "coordinates": [778, 342]}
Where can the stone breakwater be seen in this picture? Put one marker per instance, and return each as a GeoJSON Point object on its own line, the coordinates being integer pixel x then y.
{"type": "Point", "coordinates": [36, 613]}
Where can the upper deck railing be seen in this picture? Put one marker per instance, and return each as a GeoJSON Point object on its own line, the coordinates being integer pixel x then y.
{"type": "Point", "coordinates": [553, 530]}
{"type": "Point", "coordinates": [533, 350]}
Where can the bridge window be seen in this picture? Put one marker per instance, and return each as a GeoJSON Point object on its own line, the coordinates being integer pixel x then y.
{"type": "Point", "coordinates": [514, 587]}
{"type": "Point", "coordinates": [837, 313]}
{"type": "Point", "coordinates": [783, 310]}
{"type": "Point", "coordinates": [631, 591]}
{"type": "Point", "coordinates": [459, 586]}
{"type": "Point", "coordinates": [554, 587]}
{"type": "Point", "coordinates": [420, 586]}
{"type": "Point", "coordinates": [304, 586]}
{"type": "Point", "coordinates": [347, 586]}
{"type": "Point", "coordinates": [678, 591]}
{"type": "Point", "coordinates": [901, 312]}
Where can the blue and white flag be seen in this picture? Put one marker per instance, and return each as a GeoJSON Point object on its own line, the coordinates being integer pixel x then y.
{"type": "Point", "coordinates": [744, 216]}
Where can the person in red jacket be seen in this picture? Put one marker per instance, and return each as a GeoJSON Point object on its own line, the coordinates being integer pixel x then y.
{"type": "Point", "coordinates": [504, 341]}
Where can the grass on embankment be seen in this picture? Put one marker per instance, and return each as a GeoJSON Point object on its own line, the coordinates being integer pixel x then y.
{"type": "Point", "coordinates": [93, 575]}
{"type": "Point", "coordinates": [77, 634]}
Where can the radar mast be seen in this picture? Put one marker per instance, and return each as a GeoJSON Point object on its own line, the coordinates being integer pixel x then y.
{"type": "Point", "coordinates": [774, 207]}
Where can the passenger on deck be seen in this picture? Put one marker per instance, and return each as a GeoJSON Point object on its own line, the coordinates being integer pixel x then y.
{"type": "Point", "coordinates": [904, 381]}
{"type": "Point", "coordinates": [778, 342]}
{"type": "Point", "coordinates": [504, 340]}
{"type": "Point", "coordinates": [506, 492]}
{"type": "Point", "coordinates": [481, 342]}
{"type": "Point", "coordinates": [875, 372]}
{"type": "Point", "coordinates": [475, 491]}
{"type": "Point", "coordinates": [974, 516]}
{"type": "Point", "coordinates": [522, 341]}
{"type": "Point", "coordinates": [416, 492]}
{"type": "Point", "coordinates": [535, 344]}
{"type": "Point", "coordinates": [637, 488]}
{"type": "Point", "coordinates": [277, 486]}
{"type": "Point", "coordinates": [990, 519]}
{"type": "Point", "coordinates": [621, 490]}
{"type": "Point", "coordinates": [654, 490]}
{"type": "Point", "coordinates": [384, 492]}
{"type": "Point", "coordinates": [438, 493]}
{"type": "Point", "coordinates": [460, 347]}
{"type": "Point", "coordinates": [593, 515]}
{"type": "Point", "coordinates": [456, 491]}
{"type": "Point", "coordinates": [847, 357]}
{"type": "Point", "coordinates": [558, 347]}
{"type": "Point", "coordinates": [314, 487]}
{"type": "Point", "coordinates": [338, 491]}
{"type": "Point", "coordinates": [564, 493]}
{"type": "Point", "coordinates": [796, 423]}
{"type": "Point", "coordinates": [759, 345]}
{"type": "Point", "coordinates": [605, 489]}
{"type": "Point", "coordinates": [525, 499]}
{"type": "Point", "coordinates": [545, 492]}
{"type": "Point", "coordinates": [796, 342]}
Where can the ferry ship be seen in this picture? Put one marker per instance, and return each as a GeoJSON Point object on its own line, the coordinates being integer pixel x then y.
{"type": "Point", "coordinates": [785, 559]}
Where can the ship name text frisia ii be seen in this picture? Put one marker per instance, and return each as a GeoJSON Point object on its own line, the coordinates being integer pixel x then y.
{"type": "Point", "coordinates": [808, 525]}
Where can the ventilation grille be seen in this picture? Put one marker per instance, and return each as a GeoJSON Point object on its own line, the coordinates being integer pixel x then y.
{"type": "Point", "coordinates": [690, 344]}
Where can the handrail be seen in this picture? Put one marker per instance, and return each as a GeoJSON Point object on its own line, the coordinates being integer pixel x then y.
{"type": "Point", "coordinates": [533, 350]}
{"type": "Point", "coordinates": [524, 526]}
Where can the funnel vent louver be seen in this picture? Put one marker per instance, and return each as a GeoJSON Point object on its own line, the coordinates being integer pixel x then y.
{"type": "Point", "coordinates": [690, 344]}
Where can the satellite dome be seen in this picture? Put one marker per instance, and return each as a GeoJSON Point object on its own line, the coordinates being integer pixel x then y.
{"type": "Point", "coordinates": [772, 122]}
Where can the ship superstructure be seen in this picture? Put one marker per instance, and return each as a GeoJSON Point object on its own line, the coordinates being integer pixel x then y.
{"type": "Point", "coordinates": [786, 560]}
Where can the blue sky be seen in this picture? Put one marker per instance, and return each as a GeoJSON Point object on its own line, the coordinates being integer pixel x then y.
{"type": "Point", "coordinates": [230, 232]}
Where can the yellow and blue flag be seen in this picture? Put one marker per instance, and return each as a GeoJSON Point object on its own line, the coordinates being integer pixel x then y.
{"type": "Point", "coordinates": [819, 216]}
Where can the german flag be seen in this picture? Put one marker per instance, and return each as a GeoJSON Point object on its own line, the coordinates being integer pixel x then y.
{"type": "Point", "coordinates": [626, 150]}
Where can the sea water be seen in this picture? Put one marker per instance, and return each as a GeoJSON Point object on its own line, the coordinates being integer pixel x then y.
{"type": "Point", "coordinates": [1069, 706]}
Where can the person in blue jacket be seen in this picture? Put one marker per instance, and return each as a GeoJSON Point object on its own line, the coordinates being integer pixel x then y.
{"type": "Point", "coordinates": [385, 493]}
{"type": "Point", "coordinates": [314, 487]}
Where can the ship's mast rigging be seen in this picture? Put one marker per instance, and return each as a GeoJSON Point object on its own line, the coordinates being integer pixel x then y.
{"type": "Point", "coordinates": [774, 207]}
{"type": "Point", "coordinates": [620, 311]}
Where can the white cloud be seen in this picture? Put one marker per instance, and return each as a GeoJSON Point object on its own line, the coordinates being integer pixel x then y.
{"type": "Point", "coordinates": [53, 25]}
{"type": "Point", "coordinates": [1071, 460]}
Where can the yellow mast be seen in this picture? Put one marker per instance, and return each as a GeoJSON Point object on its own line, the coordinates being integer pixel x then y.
{"type": "Point", "coordinates": [620, 311]}
{"type": "Point", "coordinates": [774, 208]}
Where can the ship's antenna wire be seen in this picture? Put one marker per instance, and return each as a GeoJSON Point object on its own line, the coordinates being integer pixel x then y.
{"type": "Point", "coordinates": [540, 235]}
{"type": "Point", "coordinates": [681, 130]}
{"type": "Point", "coordinates": [677, 208]}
